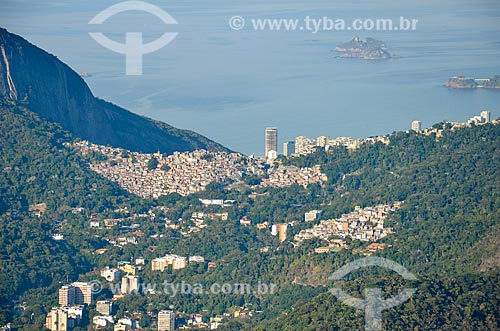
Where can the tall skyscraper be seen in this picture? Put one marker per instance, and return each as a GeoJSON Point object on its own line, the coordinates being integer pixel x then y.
{"type": "Point", "coordinates": [166, 320]}
{"type": "Point", "coordinates": [288, 148]}
{"type": "Point", "coordinates": [416, 126]}
{"type": "Point", "coordinates": [271, 141]}
{"type": "Point", "coordinates": [486, 115]}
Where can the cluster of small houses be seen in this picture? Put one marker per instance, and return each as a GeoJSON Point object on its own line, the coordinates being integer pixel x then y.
{"type": "Point", "coordinates": [189, 172]}
{"type": "Point", "coordinates": [182, 173]}
{"type": "Point", "coordinates": [291, 175]}
{"type": "Point", "coordinates": [364, 224]}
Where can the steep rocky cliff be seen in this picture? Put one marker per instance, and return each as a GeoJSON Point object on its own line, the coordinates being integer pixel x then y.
{"type": "Point", "coordinates": [31, 76]}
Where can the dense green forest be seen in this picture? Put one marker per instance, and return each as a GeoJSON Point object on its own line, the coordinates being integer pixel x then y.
{"type": "Point", "coordinates": [455, 303]}
{"type": "Point", "coordinates": [446, 232]}
{"type": "Point", "coordinates": [450, 187]}
{"type": "Point", "coordinates": [36, 168]}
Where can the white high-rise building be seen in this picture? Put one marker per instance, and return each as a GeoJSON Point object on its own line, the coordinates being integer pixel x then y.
{"type": "Point", "coordinates": [486, 116]}
{"type": "Point", "coordinates": [416, 126]}
{"type": "Point", "coordinates": [271, 141]}
{"type": "Point", "coordinates": [166, 320]}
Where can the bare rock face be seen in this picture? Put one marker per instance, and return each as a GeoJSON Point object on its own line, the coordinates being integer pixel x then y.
{"type": "Point", "coordinates": [31, 76]}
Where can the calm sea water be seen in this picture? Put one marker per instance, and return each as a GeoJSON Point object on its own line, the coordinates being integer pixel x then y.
{"type": "Point", "coordinates": [229, 85]}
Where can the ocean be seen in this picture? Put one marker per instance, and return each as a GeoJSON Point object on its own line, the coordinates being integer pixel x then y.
{"type": "Point", "coordinates": [230, 85]}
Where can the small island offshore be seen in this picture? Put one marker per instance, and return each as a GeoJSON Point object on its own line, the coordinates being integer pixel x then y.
{"type": "Point", "coordinates": [462, 82]}
{"type": "Point", "coordinates": [367, 49]}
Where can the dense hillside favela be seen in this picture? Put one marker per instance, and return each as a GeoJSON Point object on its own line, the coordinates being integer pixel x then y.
{"type": "Point", "coordinates": [152, 175]}
{"type": "Point", "coordinates": [158, 228]}
{"type": "Point", "coordinates": [111, 255]}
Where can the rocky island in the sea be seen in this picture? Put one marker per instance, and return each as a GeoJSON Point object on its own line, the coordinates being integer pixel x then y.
{"type": "Point", "coordinates": [465, 82]}
{"type": "Point", "coordinates": [368, 49]}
